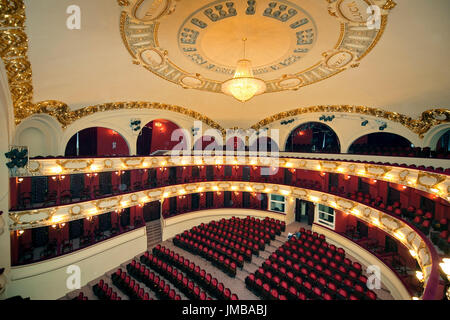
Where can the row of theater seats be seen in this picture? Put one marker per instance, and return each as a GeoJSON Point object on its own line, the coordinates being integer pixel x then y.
{"type": "Point", "coordinates": [129, 286]}
{"type": "Point", "coordinates": [172, 265]}
{"type": "Point", "coordinates": [228, 243]}
{"type": "Point", "coordinates": [309, 268]}
{"type": "Point", "coordinates": [222, 258]}
{"type": "Point", "coordinates": [81, 296]}
{"type": "Point", "coordinates": [104, 292]}
{"type": "Point", "coordinates": [163, 290]}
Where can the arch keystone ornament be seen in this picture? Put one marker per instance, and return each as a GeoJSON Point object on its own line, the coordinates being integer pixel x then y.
{"type": "Point", "coordinates": [284, 39]}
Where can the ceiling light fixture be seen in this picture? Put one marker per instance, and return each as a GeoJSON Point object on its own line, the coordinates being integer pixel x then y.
{"type": "Point", "coordinates": [244, 86]}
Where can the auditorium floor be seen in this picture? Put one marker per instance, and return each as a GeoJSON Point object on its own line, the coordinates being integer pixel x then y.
{"type": "Point", "coordinates": [236, 285]}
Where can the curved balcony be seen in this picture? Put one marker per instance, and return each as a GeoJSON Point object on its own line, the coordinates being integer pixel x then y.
{"type": "Point", "coordinates": [163, 187]}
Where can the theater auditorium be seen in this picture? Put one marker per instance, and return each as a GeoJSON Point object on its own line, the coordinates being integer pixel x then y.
{"type": "Point", "coordinates": [224, 150]}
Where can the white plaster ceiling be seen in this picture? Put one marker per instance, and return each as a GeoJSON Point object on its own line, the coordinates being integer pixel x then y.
{"type": "Point", "coordinates": [407, 71]}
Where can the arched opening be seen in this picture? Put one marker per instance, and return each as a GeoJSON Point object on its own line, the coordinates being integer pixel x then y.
{"type": "Point", "coordinates": [235, 144]}
{"type": "Point", "coordinates": [157, 135]}
{"type": "Point", "coordinates": [443, 145]}
{"type": "Point", "coordinates": [207, 142]}
{"type": "Point", "coordinates": [313, 137]}
{"type": "Point", "coordinates": [96, 141]}
{"type": "Point", "coordinates": [264, 143]}
{"type": "Point", "coordinates": [382, 143]}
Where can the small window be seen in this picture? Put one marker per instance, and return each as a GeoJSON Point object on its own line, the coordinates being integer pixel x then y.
{"type": "Point", "coordinates": [325, 216]}
{"type": "Point", "coordinates": [277, 203]}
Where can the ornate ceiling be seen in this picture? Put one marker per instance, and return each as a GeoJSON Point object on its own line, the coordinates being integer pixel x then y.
{"type": "Point", "coordinates": [170, 53]}
{"type": "Point", "coordinates": [291, 44]}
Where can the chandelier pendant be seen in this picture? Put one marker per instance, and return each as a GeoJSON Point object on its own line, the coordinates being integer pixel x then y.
{"type": "Point", "coordinates": [244, 86]}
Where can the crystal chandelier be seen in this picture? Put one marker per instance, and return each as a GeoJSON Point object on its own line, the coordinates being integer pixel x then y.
{"type": "Point", "coordinates": [243, 86]}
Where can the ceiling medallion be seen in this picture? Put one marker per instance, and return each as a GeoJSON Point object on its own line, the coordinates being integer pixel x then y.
{"type": "Point", "coordinates": [195, 44]}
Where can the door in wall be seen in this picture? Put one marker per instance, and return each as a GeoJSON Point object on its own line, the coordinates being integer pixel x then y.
{"type": "Point", "coordinates": [227, 202]}
{"type": "Point", "coordinates": [393, 196]}
{"type": "Point", "coordinates": [151, 178]}
{"type": "Point", "coordinates": [390, 245]}
{"type": "Point", "coordinates": [287, 176]}
{"type": "Point", "coordinates": [39, 236]}
{"type": "Point", "coordinates": [125, 181]}
{"type": "Point", "coordinates": [209, 173]}
{"type": "Point", "coordinates": [125, 217]}
{"type": "Point", "coordinates": [76, 184]}
{"type": "Point", "coordinates": [246, 199]}
{"type": "Point", "coordinates": [310, 210]}
{"type": "Point", "coordinates": [105, 183]}
{"type": "Point", "coordinates": [76, 229]}
{"type": "Point", "coordinates": [264, 201]}
{"type": "Point", "coordinates": [39, 188]}
{"type": "Point", "coordinates": [104, 221]}
{"type": "Point", "coordinates": [245, 173]}
{"type": "Point", "coordinates": [362, 229]}
{"type": "Point", "coordinates": [333, 181]}
{"type": "Point", "coordinates": [195, 201]}
{"type": "Point", "coordinates": [209, 199]}
{"type": "Point", "coordinates": [173, 205]}
{"type": "Point", "coordinates": [301, 210]}
{"type": "Point", "coordinates": [228, 172]}
{"type": "Point", "coordinates": [173, 175]}
{"type": "Point", "coordinates": [152, 211]}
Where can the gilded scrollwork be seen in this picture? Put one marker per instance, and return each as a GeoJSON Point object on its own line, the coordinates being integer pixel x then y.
{"type": "Point", "coordinates": [420, 126]}
{"type": "Point", "coordinates": [13, 51]}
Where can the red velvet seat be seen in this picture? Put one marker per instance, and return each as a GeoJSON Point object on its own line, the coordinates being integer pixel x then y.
{"type": "Point", "coordinates": [327, 296]}
{"type": "Point", "coordinates": [371, 295]}
{"type": "Point", "coordinates": [342, 294]}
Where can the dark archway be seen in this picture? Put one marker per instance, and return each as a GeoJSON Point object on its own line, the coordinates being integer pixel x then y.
{"type": "Point", "coordinates": [443, 144]}
{"type": "Point", "coordinates": [381, 143]}
{"type": "Point", "coordinates": [157, 135]}
{"type": "Point", "coordinates": [96, 141]}
{"type": "Point", "coordinates": [313, 137]}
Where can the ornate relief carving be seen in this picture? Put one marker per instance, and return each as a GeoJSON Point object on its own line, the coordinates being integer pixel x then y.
{"type": "Point", "coordinates": [427, 120]}
{"type": "Point", "coordinates": [291, 16]}
{"type": "Point", "coordinates": [65, 116]}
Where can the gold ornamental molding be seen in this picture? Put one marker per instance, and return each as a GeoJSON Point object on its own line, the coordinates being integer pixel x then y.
{"type": "Point", "coordinates": [395, 227]}
{"type": "Point", "coordinates": [14, 48]}
{"type": "Point", "coordinates": [13, 51]}
{"type": "Point", "coordinates": [143, 20]}
{"type": "Point", "coordinates": [66, 116]}
{"type": "Point", "coordinates": [427, 120]}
